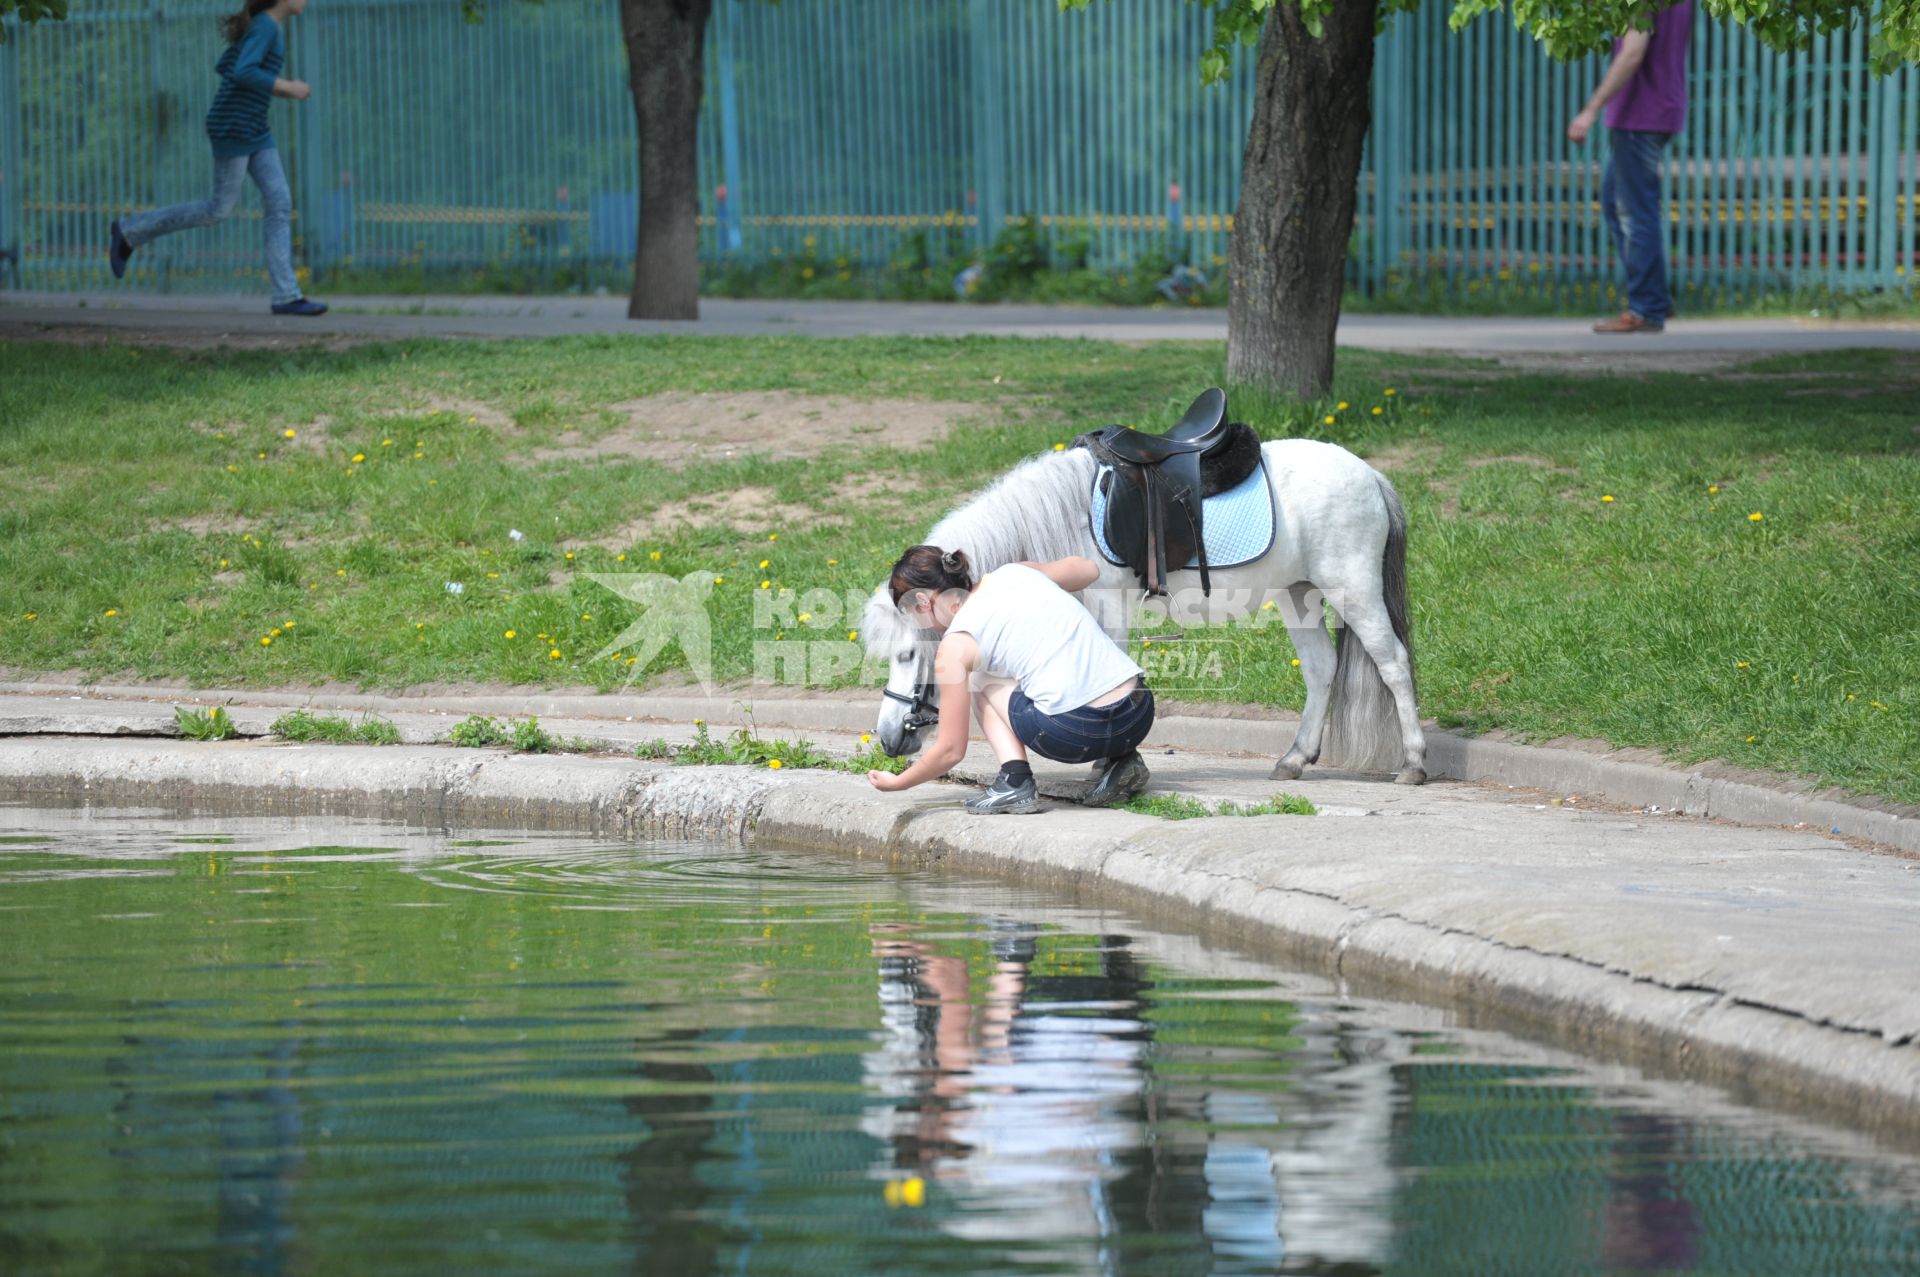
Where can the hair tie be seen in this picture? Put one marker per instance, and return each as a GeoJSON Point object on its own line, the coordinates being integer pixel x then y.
{"type": "Point", "coordinates": [949, 562]}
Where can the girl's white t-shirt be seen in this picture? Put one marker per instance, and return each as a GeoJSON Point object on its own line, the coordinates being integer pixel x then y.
{"type": "Point", "coordinates": [1034, 632]}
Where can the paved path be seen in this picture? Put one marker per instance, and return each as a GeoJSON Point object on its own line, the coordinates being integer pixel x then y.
{"type": "Point", "coordinates": [208, 319]}
{"type": "Point", "coordinates": [1689, 940]}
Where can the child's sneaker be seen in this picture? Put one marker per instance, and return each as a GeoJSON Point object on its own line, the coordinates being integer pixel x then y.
{"type": "Point", "coordinates": [300, 306]}
{"type": "Point", "coordinates": [118, 252]}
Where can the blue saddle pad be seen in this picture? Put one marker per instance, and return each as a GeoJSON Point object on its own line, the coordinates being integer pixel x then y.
{"type": "Point", "coordinates": [1238, 522]}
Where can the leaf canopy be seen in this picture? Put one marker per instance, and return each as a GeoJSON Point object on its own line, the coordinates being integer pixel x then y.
{"type": "Point", "coordinates": [1576, 28]}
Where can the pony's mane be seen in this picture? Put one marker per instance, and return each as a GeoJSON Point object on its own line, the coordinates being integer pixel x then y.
{"type": "Point", "coordinates": [1037, 510]}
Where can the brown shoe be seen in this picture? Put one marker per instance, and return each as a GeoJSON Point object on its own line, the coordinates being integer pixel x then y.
{"type": "Point", "coordinates": [1628, 323]}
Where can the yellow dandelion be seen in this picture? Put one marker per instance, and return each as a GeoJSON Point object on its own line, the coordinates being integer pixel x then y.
{"type": "Point", "coordinates": [339, 571]}
{"type": "Point", "coordinates": [233, 469]}
{"type": "Point", "coordinates": [619, 558]}
{"type": "Point", "coordinates": [1389, 392]}
{"type": "Point", "coordinates": [223, 563]}
{"type": "Point", "coordinates": [1341, 406]}
{"type": "Point", "coordinates": [586, 616]}
{"type": "Point", "coordinates": [386, 443]}
{"type": "Point", "coordinates": [554, 654]}
{"type": "Point", "coordinates": [286, 434]}
{"type": "Point", "coordinates": [1267, 606]}
{"type": "Point", "coordinates": [569, 554]}
{"type": "Point", "coordinates": [1607, 500]}
{"type": "Point", "coordinates": [1059, 447]}
{"type": "Point", "coordinates": [1752, 739]}
{"type": "Point", "coordinates": [773, 536]}
{"type": "Point", "coordinates": [274, 633]}
{"type": "Point", "coordinates": [804, 617]}
{"type": "Point", "coordinates": [1328, 420]}
{"type": "Point", "coordinates": [358, 457]}
{"type": "Point", "coordinates": [493, 576]}
{"type": "Point", "coordinates": [865, 737]}
{"type": "Point", "coordinates": [1755, 517]}
{"type": "Point", "coordinates": [654, 555]}
{"type": "Point", "coordinates": [630, 660]}
{"type": "Point", "coordinates": [852, 635]}
{"type": "Point", "coordinates": [1296, 662]}
{"type": "Point", "coordinates": [773, 764]}
{"type": "Point", "coordinates": [1377, 410]}
{"type": "Point", "coordinates": [512, 633]}
{"type": "Point", "coordinates": [719, 580]}
{"type": "Point", "coordinates": [419, 625]}
{"type": "Point", "coordinates": [913, 1191]}
{"type": "Point", "coordinates": [266, 640]}
{"type": "Point", "coordinates": [286, 625]}
{"type": "Point", "coordinates": [766, 585]}
{"type": "Point", "coordinates": [418, 455]}
{"type": "Point", "coordinates": [113, 611]}
{"type": "Point", "coordinates": [313, 585]}
{"type": "Point", "coordinates": [1713, 489]}
{"type": "Point", "coordinates": [472, 420]}
{"type": "Point", "coordinates": [765, 562]}
{"type": "Point", "coordinates": [833, 563]}
{"type": "Point", "coordinates": [32, 616]}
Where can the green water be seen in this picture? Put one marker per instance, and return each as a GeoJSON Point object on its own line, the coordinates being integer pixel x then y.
{"type": "Point", "coordinates": [269, 1046]}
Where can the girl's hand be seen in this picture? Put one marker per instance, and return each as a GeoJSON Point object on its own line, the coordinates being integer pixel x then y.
{"type": "Point", "coordinates": [885, 782]}
{"type": "Point", "coordinates": [299, 90]}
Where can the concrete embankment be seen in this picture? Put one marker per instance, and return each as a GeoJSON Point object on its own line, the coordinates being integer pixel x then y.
{"type": "Point", "coordinates": [1777, 963]}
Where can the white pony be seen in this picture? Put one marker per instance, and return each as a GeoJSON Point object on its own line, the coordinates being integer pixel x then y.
{"type": "Point", "coordinates": [1340, 537]}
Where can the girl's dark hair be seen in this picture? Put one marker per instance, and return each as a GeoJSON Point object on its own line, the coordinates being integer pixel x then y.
{"type": "Point", "coordinates": [929, 568]}
{"type": "Point", "coordinates": [235, 25]}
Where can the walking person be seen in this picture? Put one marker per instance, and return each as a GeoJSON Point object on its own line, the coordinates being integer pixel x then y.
{"type": "Point", "coordinates": [249, 73]}
{"type": "Point", "coordinates": [1023, 654]}
{"type": "Point", "coordinates": [1645, 96]}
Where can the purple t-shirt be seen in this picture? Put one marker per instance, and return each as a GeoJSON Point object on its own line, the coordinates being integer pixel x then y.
{"type": "Point", "coordinates": [1655, 99]}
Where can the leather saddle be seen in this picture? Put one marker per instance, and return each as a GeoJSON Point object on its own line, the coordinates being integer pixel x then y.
{"type": "Point", "coordinates": [1157, 484]}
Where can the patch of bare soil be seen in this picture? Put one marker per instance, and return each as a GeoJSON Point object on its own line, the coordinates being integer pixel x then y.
{"type": "Point", "coordinates": [471, 412]}
{"type": "Point", "coordinates": [751, 510]}
{"type": "Point", "coordinates": [1403, 456]}
{"type": "Point", "coordinates": [680, 427]}
{"type": "Point", "coordinates": [1518, 459]}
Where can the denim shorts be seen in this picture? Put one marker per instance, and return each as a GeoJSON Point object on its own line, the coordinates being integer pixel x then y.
{"type": "Point", "coordinates": [1085, 734]}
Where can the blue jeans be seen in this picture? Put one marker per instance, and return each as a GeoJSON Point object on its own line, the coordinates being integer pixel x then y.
{"type": "Point", "coordinates": [1630, 201]}
{"type": "Point", "coordinates": [275, 197]}
{"type": "Point", "coordinates": [1084, 734]}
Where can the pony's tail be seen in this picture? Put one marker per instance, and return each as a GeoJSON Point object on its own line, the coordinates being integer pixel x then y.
{"type": "Point", "coordinates": [1363, 724]}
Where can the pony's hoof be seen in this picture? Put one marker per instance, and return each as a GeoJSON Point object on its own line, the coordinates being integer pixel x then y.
{"type": "Point", "coordinates": [1411, 776]}
{"type": "Point", "coordinates": [1286, 769]}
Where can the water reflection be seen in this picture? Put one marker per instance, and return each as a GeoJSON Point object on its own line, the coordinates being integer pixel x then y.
{"type": "Point", "coordinates": [264, 1056]}
{"type": "Point", "coordinates": [1050, 1120]}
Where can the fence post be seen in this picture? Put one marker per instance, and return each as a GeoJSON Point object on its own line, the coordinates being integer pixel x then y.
{"type": "Point", "coordinates": [727, 209]}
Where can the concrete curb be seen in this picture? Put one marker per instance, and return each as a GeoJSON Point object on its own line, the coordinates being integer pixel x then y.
{"type": "Point", "coordinates": [1620, 777]}
{"type": "Point", "coordinates": [1234, 884]}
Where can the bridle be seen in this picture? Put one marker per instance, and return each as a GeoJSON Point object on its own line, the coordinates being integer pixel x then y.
{"type": "Point", "coordinates": [920, 712]}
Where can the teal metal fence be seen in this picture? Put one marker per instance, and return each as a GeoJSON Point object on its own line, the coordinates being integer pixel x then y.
{"type": "Point", "coordinates": [850, 127]}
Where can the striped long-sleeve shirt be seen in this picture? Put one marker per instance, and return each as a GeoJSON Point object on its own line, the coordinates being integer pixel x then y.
{"type": "Point", "coordinates": [237, 122]}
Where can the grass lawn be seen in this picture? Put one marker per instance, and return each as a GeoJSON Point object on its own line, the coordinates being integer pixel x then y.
{"type": "Point", "coordinates": [1748, 593]}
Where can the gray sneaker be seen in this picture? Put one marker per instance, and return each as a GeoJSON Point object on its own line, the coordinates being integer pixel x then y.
{"type": "Point", "coordinates": [1124, 778]}
{"type": "Point", "coordinates": [1004, 799]}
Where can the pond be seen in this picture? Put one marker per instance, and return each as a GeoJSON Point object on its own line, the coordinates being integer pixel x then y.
{"type": "Point", "coordinates": [249, 1045]}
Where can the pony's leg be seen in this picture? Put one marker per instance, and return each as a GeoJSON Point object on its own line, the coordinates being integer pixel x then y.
{"type": "Point", "coordinates": [1307, 626]}
{"type": "Point", "coordinates": [1371, 626]}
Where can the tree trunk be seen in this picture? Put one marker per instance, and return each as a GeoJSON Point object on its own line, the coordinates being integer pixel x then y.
{"type": "Point", "coordinates": [666, 44]}
{"type": "Point", "coordinates": [1298, 185]}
